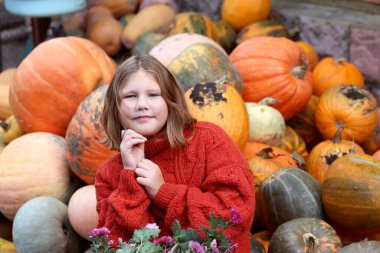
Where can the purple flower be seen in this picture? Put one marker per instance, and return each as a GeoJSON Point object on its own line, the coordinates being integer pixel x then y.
{"type": "Point", "coordinates": [232, 248]}
{"type": "Point", "coordinates": [214, 246]}
{"type": "Point", "coordinates": [195, 245]}
{"type": "Point", "coordinates": [99, 232]}
{"type": "Point", "coordinates": [152, 226]}
{"type": "Point", "coordinates": [235, 216]}
{"type": "Point", "coordinates": [164, 240]}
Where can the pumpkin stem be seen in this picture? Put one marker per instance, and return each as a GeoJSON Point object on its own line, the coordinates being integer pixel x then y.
{"type": "Point", "coordinates": [4, 125]}
{"type": "Point", "coordinates": [339, 61]}
{"type": "Point", "coordinates": [337, 136]}
{"type": "Point", "coordinates": [267, 101]}
{"type": "Point", "coordinates": [310, 240]}
{"type": "Point", "coordinates": [300, 71]}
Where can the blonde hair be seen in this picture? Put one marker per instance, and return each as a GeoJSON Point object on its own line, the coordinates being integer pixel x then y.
{"type": "Point", "coordinates": [179, 117]}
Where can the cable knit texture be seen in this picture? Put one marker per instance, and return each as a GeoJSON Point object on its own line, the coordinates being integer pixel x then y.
{"type": "Point", "coordinates": [208, 175]}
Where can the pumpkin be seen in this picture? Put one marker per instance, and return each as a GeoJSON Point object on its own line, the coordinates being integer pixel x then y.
{"type": "Point", "coordinates": [326, 152]}
{"type": "Point", "coordinates": [82, 210]}
{"type": "Point", "coordinates": [103, 29]}
{"type": "Point", "coordinates": [304, 235]}
{"type": "Point", "coordinates": [224, 34]}
{"type": "Point", "coordinates": [117, 7]}
{"type": "Point", "coordinates": [146, 3]}
{"type": "Point", "coordinates": [36, 162]}
{"type": "Point", "coordinates": [290, 193]}
{"type": "Point", "coordinates": [304, 125]}
{"type": "Point", "coordinates": [146, 42]}
{"type": "Point", "coordinates": [85, 153]}
{"type": "Point", "coordinates": [277, 68]}
{"type": "Point", "coordinates": [331, 72]}
{"type": "Point", "coordinates": [362, 247]}
{"type": "Point", "coordinates": [196, 59]}
{"type": "Point", "coordinates": [192, 22]}
{"type": "Point", "coordinates": [310, 52]}
{"type": "Point", "coordinates": [266, 151]}
{"type": "Point", "coordinates": [271, 28]}
{"type": "Point", "coordinates": [42, 225]}
{"type": "Point", "coordinates": [351, 193]}
{"type": "Point", "coordinates": [124, 20]}
{"type": "Point", "coordinates": [244, 12]}
{"type": "Point", "coordinates": [266, 124]}
{"type": "Point", "coordinates": [256, 246]}
{"type": "Point", "coordinates": [264, 238]}
{"type": "Point", "coordinates": [222, 105]}
{"type": "Point", "coordinates": [6, 79]}
{"type": "Point", "coordinates": [9, 247]}
{"type": "Point", "coordinates": [53, 79]}
{"type": "Point", "coordinates": [293, 142]}
{"type": "Point", "coordinates": [372, 144]}
{"type": "Point", "coordinates": [155, 18]}
{"type": "Point", "coordinates": [10, 129]}
{"type": "Point", "coordinates": [350, 107]}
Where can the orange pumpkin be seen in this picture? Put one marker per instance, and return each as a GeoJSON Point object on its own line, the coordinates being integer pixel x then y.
{"type": "Point", "coordinates": [351, 193]}
{"type": "Point", "coordinates": [326, 152]}
{"type": "Point", "coordinates": [33, 165]}
{"type": "Point", "coordinates": [244, 12]}
{"type": "Point", "coordinates": [263, 237]}
{"type": "Point", "coordinates": [331, 72]}
{"type": "Point", "coordinates": [222, 105]}
{"type": "Point", "coordinates": [117, 7]}
{"type": "Point", "coordinates": [53, 79]}
{"type": "Point", "coordinates": [266, 151]}
{"type": "Point", "coordinates": [304, 125]}
{"type": "Point", "coordinates": [350, 107]}
{"type": "Point", "coordinates": [292, 141]}
{"type": "Point", "coordinates": [372, 144]}
{"type": "Point", "coordinates": [277, 68]}
{"type": "Point", "coordinates": [82, 210]}
{"type": "Point", "coordinates": [85, 153]}
{"type": "Point", "coordinates": [310, 52]}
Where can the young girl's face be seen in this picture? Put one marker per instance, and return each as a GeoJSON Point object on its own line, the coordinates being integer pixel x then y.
{"type": "Point", "coordinates": [142, 108]}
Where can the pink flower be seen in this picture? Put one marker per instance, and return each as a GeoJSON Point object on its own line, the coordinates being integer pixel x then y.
{"type": "Point", "coordinates": [235, 216]}
{"type": "Point", "coordinates": [103, 231]}
{"type": "Point", "coordinates": [195, 245]}
{"type": "Point", "coordinates": [164, 240]}
{"type": "Point", "coordinates": [214, 246]}
{"type": "Point", "coordinates": [152, 226]}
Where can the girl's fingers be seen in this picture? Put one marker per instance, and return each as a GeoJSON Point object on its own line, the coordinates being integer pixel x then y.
{"type": "Point", "coordinates": [132, 133]}
{"type": "Point", "coordinates": [146, 163]}
{"type": "Point", "coordinates": [142, 181]}
{"type": "Point", "coordinates": [141, 172]}
{"type": "Point", "coordinates": [129, 144]}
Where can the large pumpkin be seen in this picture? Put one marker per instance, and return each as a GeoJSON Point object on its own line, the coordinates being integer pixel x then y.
{"type": "Point", "coordinates": [350, 107]}
{"type": "Point", "coordinates": [53, 79]}
{"type": "Point", "coordinates": [331, 72]}
{"type": "Point", "coordinates": [195, 58]}
{"type": "Point", "coordinates": [305, 235]}
{"type": "Point", "coordinates": [274, 67]}
{"type": "Point", "coordinates": [222, 105]}
{"type": "Point", "coordinates": [351, 193]}
{"type": "Point", "coordinates": [33, 165]}
{"type": "Point", "coordinates": [362, 247]}
{"type": "Point", "coordinates": [290, 193]}
{"type": "Point", "coordinates": [85, 153]}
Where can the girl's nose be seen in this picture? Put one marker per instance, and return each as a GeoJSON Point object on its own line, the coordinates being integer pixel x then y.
{"type": "Point", "coordinates": [141, 103]}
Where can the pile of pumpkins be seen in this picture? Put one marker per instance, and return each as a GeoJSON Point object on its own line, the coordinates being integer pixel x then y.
{"type": "Point", "coordinates": [308, 128]}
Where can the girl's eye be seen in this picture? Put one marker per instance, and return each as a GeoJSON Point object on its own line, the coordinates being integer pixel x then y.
{"type": "Point", "coordinates": [154, 95]}
{"type": "Point", "coordinates": [130, 96]}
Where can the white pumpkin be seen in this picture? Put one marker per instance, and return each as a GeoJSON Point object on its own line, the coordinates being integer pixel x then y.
{"type": "Point", "coordinates": [266, 124]}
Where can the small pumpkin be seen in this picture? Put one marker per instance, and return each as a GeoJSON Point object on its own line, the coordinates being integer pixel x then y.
{"type": "Point", "coordinates": [351, 193]}
{"type": "Point", "coordinates": [117, 7]}
{"type": "Point", "coordinates": [266, 124]}
{"type": "Point", "coordinates": [326, 152]}
{"type": "Point", "coordinates": [271, 28]}
{"type": "Point", "coordinates": [293, 142]}
{"type": "Point", "coordinates": [222, 105]}
{"type": "Point", "coordinates": [192, 22]}
{"type": "Point", "coordinates": [304, 235]}
{"type": "Point", "coordinates": [310, 52]}
{"type": "Point", "coordinates": [331, 72]}
{"type": "Point", "coordinates": [224, 34]}
{"type": "Point", "coordinates": [244, 12]}
{"type": "Point", "coordinates": [146, 42]}
{"type": "Point", "coordinates": [282, 74]}
{"type": "Point", "coordinates": [10, 129]}
{"type": "Point", "coordinates": [362, 247]}
{"type": "Point", "coordinates": [290, 193]}
{"type": "Point", "coordinates": [372, 144]}
{"type": "Point", "coordinates": [350, 107]}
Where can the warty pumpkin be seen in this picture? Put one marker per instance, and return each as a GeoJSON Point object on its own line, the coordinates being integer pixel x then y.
{"type": "Point", "coordinates": [350, 107]}
{"type": "Point", "coordinates": [305, 235]}
{"type": "Point", "coordinates": [331, 72]}
{"type": "Point", "coordinates": [274, 67]}
{"type": "Point", "coordinates": [244, 12]}
{"type": "Point", "coordinates": [222, 105]}
{"type": "Point", "coordinates": [85, 153]}
{"type": "Point", "coordinates": [351, 193]}
{"type": "Point", "coordinates": [326, 152]}
{"type": "Point", "coordinates": [53, 79]}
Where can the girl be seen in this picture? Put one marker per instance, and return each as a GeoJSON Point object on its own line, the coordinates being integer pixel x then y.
{"type": "Point", "coordinates": [169, 166]}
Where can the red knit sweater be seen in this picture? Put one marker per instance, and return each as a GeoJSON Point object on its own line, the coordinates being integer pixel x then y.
{"type": "Point", "coordinates": [208, 175]}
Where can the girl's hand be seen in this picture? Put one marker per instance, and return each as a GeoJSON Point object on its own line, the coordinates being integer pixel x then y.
{"type": "Point", "coordinates": [131, 148]}
{"type": "Point", "coordinates": [149, 176]}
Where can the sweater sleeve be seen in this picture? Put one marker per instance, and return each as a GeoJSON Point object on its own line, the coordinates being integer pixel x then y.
{"type": "Point", "coordinates": [228, 184]}
{"type": "Point", "coordinates": [122, 203]}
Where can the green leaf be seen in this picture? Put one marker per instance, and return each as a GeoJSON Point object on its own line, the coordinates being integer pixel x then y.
{"type": "Point", "coordinates": [144, 234]}
{"type": "Point", "coordinates": [193, 235]}
{"type": "Point", "coordinates": [176, 228]}
{"type": "Point", "coordinates": [149, 247]}
{"type": "Point", "coordinates": [126, 250]}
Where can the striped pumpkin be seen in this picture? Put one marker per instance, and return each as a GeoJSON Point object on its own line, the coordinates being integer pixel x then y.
{"type": "Point", "coordinates": [192, 22]}
{"type": "Point", "coordinates": [271, 28]}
